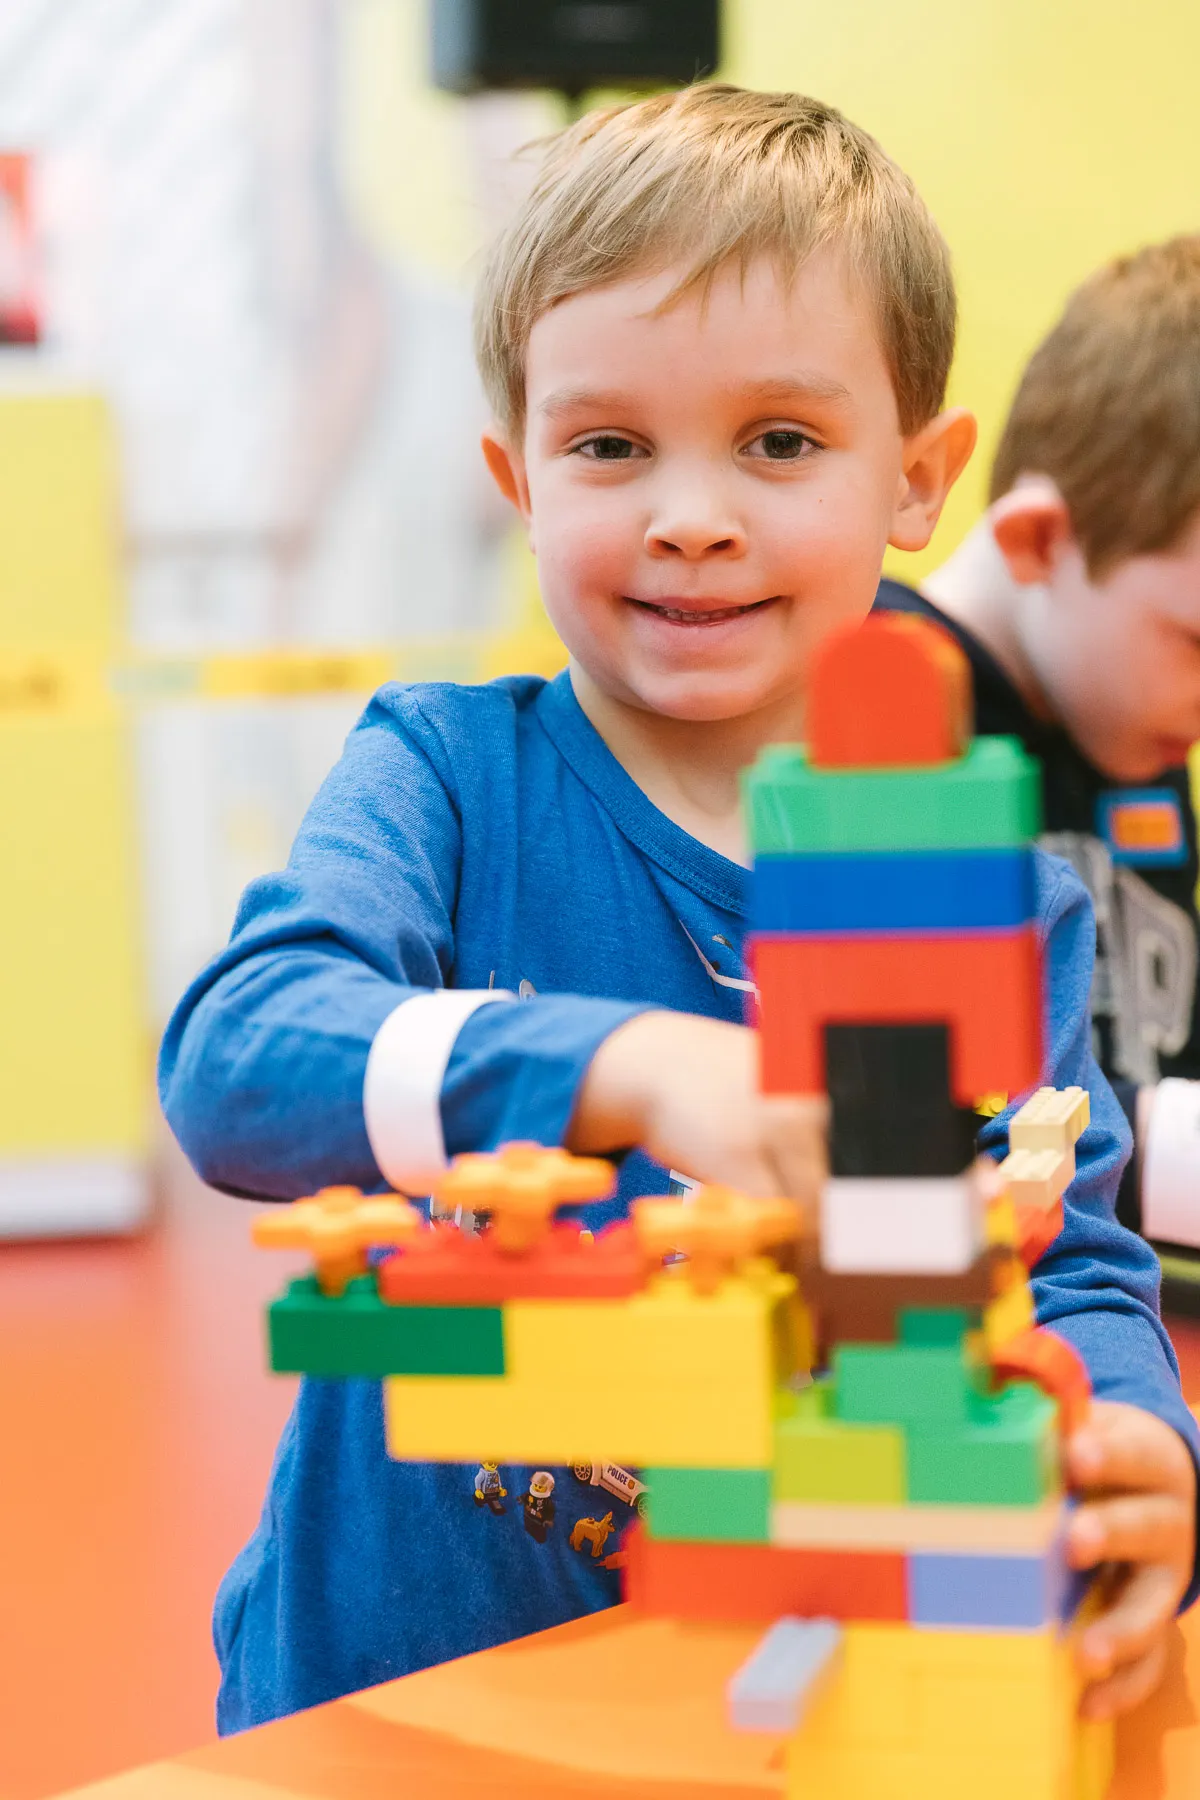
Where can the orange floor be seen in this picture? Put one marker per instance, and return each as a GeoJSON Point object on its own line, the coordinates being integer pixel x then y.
{"type": "Point", "coordinates": [136, 1431]}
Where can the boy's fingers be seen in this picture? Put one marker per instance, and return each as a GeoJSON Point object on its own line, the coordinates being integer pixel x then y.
{"type": "Point", "coordinates": [1143, 1606]}
{"type": "Point", "coordinates": [1151, 1528]}
{"type": "Point", "coordinates": [1124, 1447]}
{"type": "Point", "coordinates": [794, 1135]}
{"type": "Point", "coordinates": [1126, 1686]}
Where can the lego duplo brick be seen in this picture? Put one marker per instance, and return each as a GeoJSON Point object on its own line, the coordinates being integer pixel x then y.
{"type": "Point", "coordinates": [740, 1335]}
{"type": "Point", "coordinates": [1010, 1315]}
{"type": "Point", "coordinates": [820, 1458]}
{"type": "Point", "coordinates": [891, 1112]}
{"type": "Point", "coordinates": [991, 1593]}
{"type": "Point", "coordinates": [1004, 1455]}
{"type": "Point", "coordinates": [893, 690]}
{"type": "Point", "coordinates": [936, 1715]}
{"type": "Point", "coordinates": [1038, 1177]}
{"type": "Point", "coordinates": [918, 1225]}
{"type": "Point", "coordinates": [770, 1690]}
{"type": "Point", "coordinates": [893, 890]}
{"type": "Point", "coordinates": [990, 799]}
{"type": "Point", "coordinates": [1040, 1355]}
{"type": "Point", "coordinates": [540, 1418]}
{"type": "Point", "coordinates": [985, 986]}
{"type": "Point", "coordinates": [1051, 1119]}
{"type": "Point", "coordinates": [971, 1530]}
{"type": "Point", "coordinates": [453, 1267]}
{"type": "Point", "coordinates": [358, 1334]}
{"type": "Point", "coordinates": [866, 1308]}
{"type": "Point", "coordinates": [926, 1327]}
{"type": "Point", "coordinates": [708, 1505]}
{"type": "Point", "coordinates": [913, 1385]}
{"type": "Point", "coordinates": [759, 1581]}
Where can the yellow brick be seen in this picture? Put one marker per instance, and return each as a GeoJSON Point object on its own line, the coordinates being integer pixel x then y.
{"type": "Point", "coordinates": [860, 1774]}
{"type": "Point", "coordinates": [988, 1694]}
{"type": "Point", "coordinates": [1004, 1317]}
{"type": "Point", "coordinates": [741, 1336]}
{"type": "Point", "coordinates": [1051, 1119]}
{"type": "Point", "coordinates": [1095, 1752]}
{"type": "Point", "coordinates": [457, 1419]}
{"type": "Point", "coordinates": [1038, 1177]}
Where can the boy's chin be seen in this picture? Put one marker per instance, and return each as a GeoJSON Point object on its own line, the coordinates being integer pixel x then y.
{"type": "Point", "coordinates": [713, 698]}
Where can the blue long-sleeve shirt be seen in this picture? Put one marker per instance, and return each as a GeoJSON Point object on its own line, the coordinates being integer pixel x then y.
{"type": "Point", "coordinates": [476, 838]}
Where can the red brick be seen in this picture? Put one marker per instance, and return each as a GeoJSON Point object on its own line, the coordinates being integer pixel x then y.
{"type": "Point", "coordinates": [893, 691]}
{"type": "Point", "coordinates": [985, 985]}
{"type": "Point", "coordinates": [762, 1581]}
{"type": "Point", "coordinates": [446, 1266]}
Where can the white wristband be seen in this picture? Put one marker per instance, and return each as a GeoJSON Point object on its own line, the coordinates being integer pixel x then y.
{"type": "Point", "coordinates": [1171, 1165]}
{"type": "Point", "coordinates": [402, 1088]}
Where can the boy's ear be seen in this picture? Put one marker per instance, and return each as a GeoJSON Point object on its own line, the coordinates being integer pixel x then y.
{"type": "Point", "coordinates": [1031, 526]}
{"type": "Point", "coordinates": [508, 470]}
{"type": "Point", "coordinates": [934, 458]}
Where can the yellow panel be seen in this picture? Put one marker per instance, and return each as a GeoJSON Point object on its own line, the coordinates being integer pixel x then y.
{"type": "Point", "coordinates": [58, 536]}
{"type": "Point", "coordinates": [1015, 151]}
{"type": "Point", "coordinates": [74, 1062]}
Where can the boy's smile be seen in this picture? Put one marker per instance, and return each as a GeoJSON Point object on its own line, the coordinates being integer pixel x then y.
{"type": "Point", "coordinates": [710, 484]}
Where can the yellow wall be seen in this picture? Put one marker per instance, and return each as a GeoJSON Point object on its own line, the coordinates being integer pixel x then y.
{"type": "Point", "coordinates": [1047, 135]}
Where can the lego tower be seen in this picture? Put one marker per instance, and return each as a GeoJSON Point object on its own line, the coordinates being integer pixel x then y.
{"type": "Point", "coordinates": [848, 1422]}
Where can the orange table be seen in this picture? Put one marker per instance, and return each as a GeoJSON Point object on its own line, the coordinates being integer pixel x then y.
{"type": "Point", "coordinates": [614, 1705]}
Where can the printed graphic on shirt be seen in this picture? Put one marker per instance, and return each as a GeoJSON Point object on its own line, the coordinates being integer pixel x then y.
{"type": "Point", "coordinates": [726, 952]}
{"type": "Point", "coordinates": [1144, 986]}
{"type": "Point", "coordinates": [593, 1532]}
{"type": "Point", "coordinates": [614, 1480]}
{"type": "Point", "coordinates": [489, 1488]}
{"type": "Point", "coordinates": [538, 1505]}
{"type": "Point", "coordinates": [1143, 826]}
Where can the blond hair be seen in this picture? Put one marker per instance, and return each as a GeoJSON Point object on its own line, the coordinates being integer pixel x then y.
{"type": "Point", "coordinates": [1109, 407]}
{"type": "Point", "coordinates": [701, 177]}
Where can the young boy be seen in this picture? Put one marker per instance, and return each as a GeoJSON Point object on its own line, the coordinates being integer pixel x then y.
{"type": "Point", "coordinates": [1077, 599]}
{"type": "Point", "coordinates": [716, 339]}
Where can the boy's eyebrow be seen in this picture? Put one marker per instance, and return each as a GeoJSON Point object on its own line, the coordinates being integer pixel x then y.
{"type": "Point", "coordinates": [809, 386]}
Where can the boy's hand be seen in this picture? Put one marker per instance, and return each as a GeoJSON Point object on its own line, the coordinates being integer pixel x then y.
{"type": "Point", "coordinates": [1138, 1483]}
{"type": "Point", "coordinates": [685, 1089]}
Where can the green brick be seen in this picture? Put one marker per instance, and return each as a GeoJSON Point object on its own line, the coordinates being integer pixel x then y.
{"type": "Point", "coordinates": [820, 1458]}
{"type": "Point", "coordinates": [903, 1384]}
{"type": "Point", "coordinates": [359, 1334]}
{"type": "Point", "coordinates": [1005, 1455]}
{"type": "Point", "coordinates": [936, 1326]}
{"type": "Point", "coordinates": [989, 799]}
{"type": "Point", "coordinates": [711, 1506]}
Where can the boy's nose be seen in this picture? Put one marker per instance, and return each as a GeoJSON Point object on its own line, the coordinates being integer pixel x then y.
{"type": "Point", "coordinates": [695, 533]}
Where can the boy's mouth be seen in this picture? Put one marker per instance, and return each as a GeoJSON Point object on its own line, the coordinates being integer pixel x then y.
{"type": "Point", "coordinates": [694, 612]}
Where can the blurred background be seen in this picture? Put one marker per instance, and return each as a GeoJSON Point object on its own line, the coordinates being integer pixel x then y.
{"type": "Point", "coordinates": [240, 486]}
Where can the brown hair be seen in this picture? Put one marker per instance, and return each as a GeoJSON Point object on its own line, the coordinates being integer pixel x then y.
{"type": "Point", "coordinates": [702, 176]}
{"type": "Point", "coordinates": [1109, 406]}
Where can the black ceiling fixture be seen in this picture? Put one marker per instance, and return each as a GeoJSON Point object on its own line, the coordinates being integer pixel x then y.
{"type": "Point", "coordinates": [572, 45]}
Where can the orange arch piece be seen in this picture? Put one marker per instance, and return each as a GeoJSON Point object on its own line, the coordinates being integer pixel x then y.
{"type": "Point", "coordinates": [892, 692]}
{"type": "Point", "coordinates": [1057, 1368]}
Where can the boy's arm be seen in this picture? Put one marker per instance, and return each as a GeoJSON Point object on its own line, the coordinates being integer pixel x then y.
{"type": "Point", "coordinates": [1098, 1284]}
{"type": "Point", "coordinates": [344, 960]}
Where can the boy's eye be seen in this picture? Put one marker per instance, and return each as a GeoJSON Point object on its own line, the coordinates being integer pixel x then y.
{"type": "Point", "coordinates": [607, 447]}
{"type": "Point", "coordinates": [781, 444]}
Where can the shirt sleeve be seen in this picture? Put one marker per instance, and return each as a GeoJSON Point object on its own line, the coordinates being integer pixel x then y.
{"type": "Point", "coordinates": [263, 1065]}
{"type": "Point", "coordinates": [1098, 1284]}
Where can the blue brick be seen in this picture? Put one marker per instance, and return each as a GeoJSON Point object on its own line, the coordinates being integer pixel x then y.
{"type": "Point", "coordinates": [917, 890]}
{"type": "Point", "coordinates": [992, 1593]}
{"type": "Point", "coordinates": [769, 1690]}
